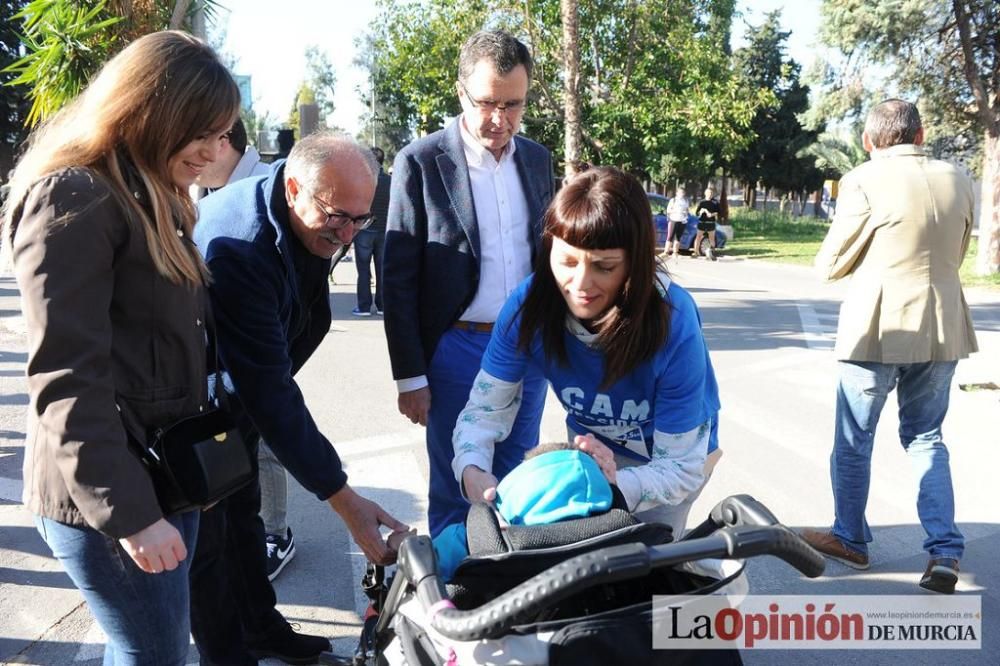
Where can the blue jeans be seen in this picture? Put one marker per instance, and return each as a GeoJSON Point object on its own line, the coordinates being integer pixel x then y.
{"type": "Point", "coordinates": [450, 375]}
{"type": "Point", "coordinates": [145, 616]}
{"type": "Point", "coordinates": [922, 391]}
{"type": "Point", "coordinates": [367, 246]}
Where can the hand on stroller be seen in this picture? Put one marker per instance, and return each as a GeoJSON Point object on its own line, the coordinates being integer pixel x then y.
{"type": "Point", "coordinates": [603, 455]}
{"type": "Point", "coordinates": [479, 486]}
{"type": "Point", "coordinates": [363, 518]}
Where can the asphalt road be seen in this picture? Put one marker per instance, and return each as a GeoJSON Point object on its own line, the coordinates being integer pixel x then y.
{"type": "Point", "coordinates": [770, 329]}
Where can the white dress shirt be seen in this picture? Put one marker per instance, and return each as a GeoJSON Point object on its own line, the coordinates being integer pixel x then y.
{"type": "Point", "coordinates": [502, 218]}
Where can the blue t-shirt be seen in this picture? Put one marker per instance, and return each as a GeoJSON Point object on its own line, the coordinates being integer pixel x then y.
{"type": "Point", "coordinates": [673, 392]}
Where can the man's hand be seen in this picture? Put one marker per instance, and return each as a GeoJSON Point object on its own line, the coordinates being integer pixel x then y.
{"type": "Point", "coordinates": [414, 405]}
{"type": "Point", "coordinates": [479, 486]}
{"type": "Point", "coordinates": [604, 456]}
{"type": "Point", "coordinates": [157, 548]}
{"type": "Point", "coordinates": [363, 518]}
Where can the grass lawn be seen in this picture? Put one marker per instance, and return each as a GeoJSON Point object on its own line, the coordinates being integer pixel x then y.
{"type": "Point", "coordinates": [772, 236]}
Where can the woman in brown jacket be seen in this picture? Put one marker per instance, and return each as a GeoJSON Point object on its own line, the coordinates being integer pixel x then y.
{"type": "Point", "coordinates": [113, 294]}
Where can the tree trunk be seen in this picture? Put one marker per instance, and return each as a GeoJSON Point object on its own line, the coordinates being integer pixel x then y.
{"type": "Point", "coordinates": [988, 258]}
{"type": "Point", "coordinates": [180, 11]}
{"type": "Point", "coordinates": [818, 203]}
{"type": "Point", "coordinates": [571, 98]}
{"type": "Point", "coordinates": [724, 198]}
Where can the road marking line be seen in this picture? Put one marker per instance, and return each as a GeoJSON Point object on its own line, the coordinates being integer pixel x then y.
{"type": "Point", "coordinates": [815, 334]}
{"type": "Point", "coordinates": [10, 489]}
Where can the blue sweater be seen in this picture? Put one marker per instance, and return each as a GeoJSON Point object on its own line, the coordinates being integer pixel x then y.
{"type": "Point", "coordinates": [673, 392]}
{"type": "Point", "coordinates": [271, 305]}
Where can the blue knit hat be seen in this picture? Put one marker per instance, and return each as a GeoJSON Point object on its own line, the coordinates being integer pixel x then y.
{"type": "Point", "coordinates": [551, 487]}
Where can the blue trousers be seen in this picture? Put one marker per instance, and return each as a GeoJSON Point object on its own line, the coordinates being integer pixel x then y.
{"type": "Point", "coordinates": [922, 392]}
{"type": "Point", "coordinates": [451, 374]}
{"type": "Point", "coordinates": [368, 245]}
{"type": "Point", "coordinates": [145, 616]}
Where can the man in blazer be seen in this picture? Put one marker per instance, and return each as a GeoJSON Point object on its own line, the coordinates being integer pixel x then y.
{"type": "Point", "coordinates": [465, 219]}
{"type": "Point", "coordinates": [902, 228]}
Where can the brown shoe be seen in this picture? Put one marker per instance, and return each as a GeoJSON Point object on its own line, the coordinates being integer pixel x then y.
{"type": "Point", "coordinates": [941, 575]}
{"type": "Point", "coordinates": [832, 547]}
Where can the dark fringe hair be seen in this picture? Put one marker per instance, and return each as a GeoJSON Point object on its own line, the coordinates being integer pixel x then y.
{"type": "Point", "coordinates": [599, 209]}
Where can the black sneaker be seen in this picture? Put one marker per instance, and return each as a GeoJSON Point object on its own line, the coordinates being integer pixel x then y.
{"type": "Point", "coordinates": [280, 552]}
{"type": "Point", "coordinates": [282, 642]}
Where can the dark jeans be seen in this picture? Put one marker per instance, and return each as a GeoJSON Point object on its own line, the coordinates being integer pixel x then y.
{"type": "Point", "coordinates": [368, 245]}
{"type": "Point", "coordinates": [231, 598]}
{"type": "Point", "coordinates": [145, 616]}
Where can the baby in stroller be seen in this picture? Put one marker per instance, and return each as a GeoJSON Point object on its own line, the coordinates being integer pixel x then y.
{"type": "Point", "coordinates": [558, 573]}
{"type": "Point", "coordinates": [557, 481]}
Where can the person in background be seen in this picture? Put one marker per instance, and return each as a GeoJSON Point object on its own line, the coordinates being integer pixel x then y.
{"type": "Point", "coordinates": [268, 242]}
{"type": "Point", "coordinates": [901, 230]}
{"type": "Point", "coordinates": [465, 222]}
{"type": "Point", "coordinates": [237, 160]}
{"type": "Point", "coordinates": [113, 292]}
{"type": "Point", "coordinates": [621, 346]}
{"type": "Point", "coordinates": [708, 214]}
{"type": "Point", "coordinates": [369, 243]}
{"type": "Point", "coordinates": [677, 213]}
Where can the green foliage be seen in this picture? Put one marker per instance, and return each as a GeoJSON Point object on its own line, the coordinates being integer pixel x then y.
{"type": "Point", "coordinates": [915, 49]}
{"type": "Point", "coordinates": [774, 236]}
{"type": "Point", "coordinates": [836, 153]}
{"type": "Point", "coordinates": [66, 43]}
{"type": "Point", "coordinates": [776, 157]}
{"type": "Point", "coordinates": [658, 94]}
{"type": "Point", "coordinates": [322, 80]}
{"type": "Point", "coordinates": [14, 103]}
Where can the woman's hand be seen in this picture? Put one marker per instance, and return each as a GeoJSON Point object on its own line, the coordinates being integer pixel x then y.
{"type": "Point", "coordinates": [157, 548]}
{"type": "Point", "coordinates": [479, 486]}
{"type": "Point", "coordinates": [604, 456]}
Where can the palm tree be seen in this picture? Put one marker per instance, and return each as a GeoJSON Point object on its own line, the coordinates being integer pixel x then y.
{"type": "Point", "coordinates": [67, 41]}
{"type": "Point", "coordinates": [571, 66]}
{"type": "Point", "coordinates": [836, 153]}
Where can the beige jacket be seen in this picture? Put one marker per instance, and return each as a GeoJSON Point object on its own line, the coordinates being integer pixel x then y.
{"type": "Point", "coordinates": [901, 230]}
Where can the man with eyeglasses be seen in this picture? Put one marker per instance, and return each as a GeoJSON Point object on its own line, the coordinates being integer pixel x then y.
{"type": "Point", "coordinates": [465, 220]}
{"type": "Point", "coordinates": [268, 242]}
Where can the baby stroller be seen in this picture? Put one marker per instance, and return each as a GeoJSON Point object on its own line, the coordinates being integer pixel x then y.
{"type": "Point", "coordinates": [574, 592]}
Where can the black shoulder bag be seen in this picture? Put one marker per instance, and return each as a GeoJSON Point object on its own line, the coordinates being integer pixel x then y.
{"type": "Point", "coordinates": [198, 460]}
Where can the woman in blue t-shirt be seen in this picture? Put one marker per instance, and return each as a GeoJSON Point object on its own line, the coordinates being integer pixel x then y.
{"type": "Point", "coordinates": [620, 344]}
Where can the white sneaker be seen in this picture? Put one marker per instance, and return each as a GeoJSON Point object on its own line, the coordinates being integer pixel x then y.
{"type": "Point", "coordinates": [279, 552]}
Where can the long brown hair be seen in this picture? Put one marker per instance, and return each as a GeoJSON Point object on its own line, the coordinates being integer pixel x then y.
{"type": "Point", "coordinates": [602, 208]}
{"type": "Point", "coordinates": [149, 101]}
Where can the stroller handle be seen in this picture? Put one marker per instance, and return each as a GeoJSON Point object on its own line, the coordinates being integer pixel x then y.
{"type": "Point", "coordinates": [607, 565]}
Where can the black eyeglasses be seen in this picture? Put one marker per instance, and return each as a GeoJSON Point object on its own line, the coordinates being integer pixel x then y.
{"type": "Point", "coordinates": [488, 106]}
{"type": "Point", "coordinates": [360, 222]}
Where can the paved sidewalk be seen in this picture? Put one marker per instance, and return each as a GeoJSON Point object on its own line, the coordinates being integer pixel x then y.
{"type": "Point", "coordinates": [770, 329]}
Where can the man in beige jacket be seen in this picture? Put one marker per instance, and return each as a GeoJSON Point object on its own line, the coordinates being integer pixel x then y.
{"type": "Point", "coordinates": [902, 228]}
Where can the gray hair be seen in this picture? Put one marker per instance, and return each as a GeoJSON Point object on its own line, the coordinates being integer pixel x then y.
{"type": "Point", "coordinates": [310, 155]}
{"type": "Point", "coordinates": [892, 122]}
{"type": "Point", "coordinates": [501, 48]}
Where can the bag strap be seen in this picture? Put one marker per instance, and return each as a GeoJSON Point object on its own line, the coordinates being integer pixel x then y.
{"type": "Point", "coordinates": [135, 436]}
{"type": "Point", "coordinates": [212, 355]}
